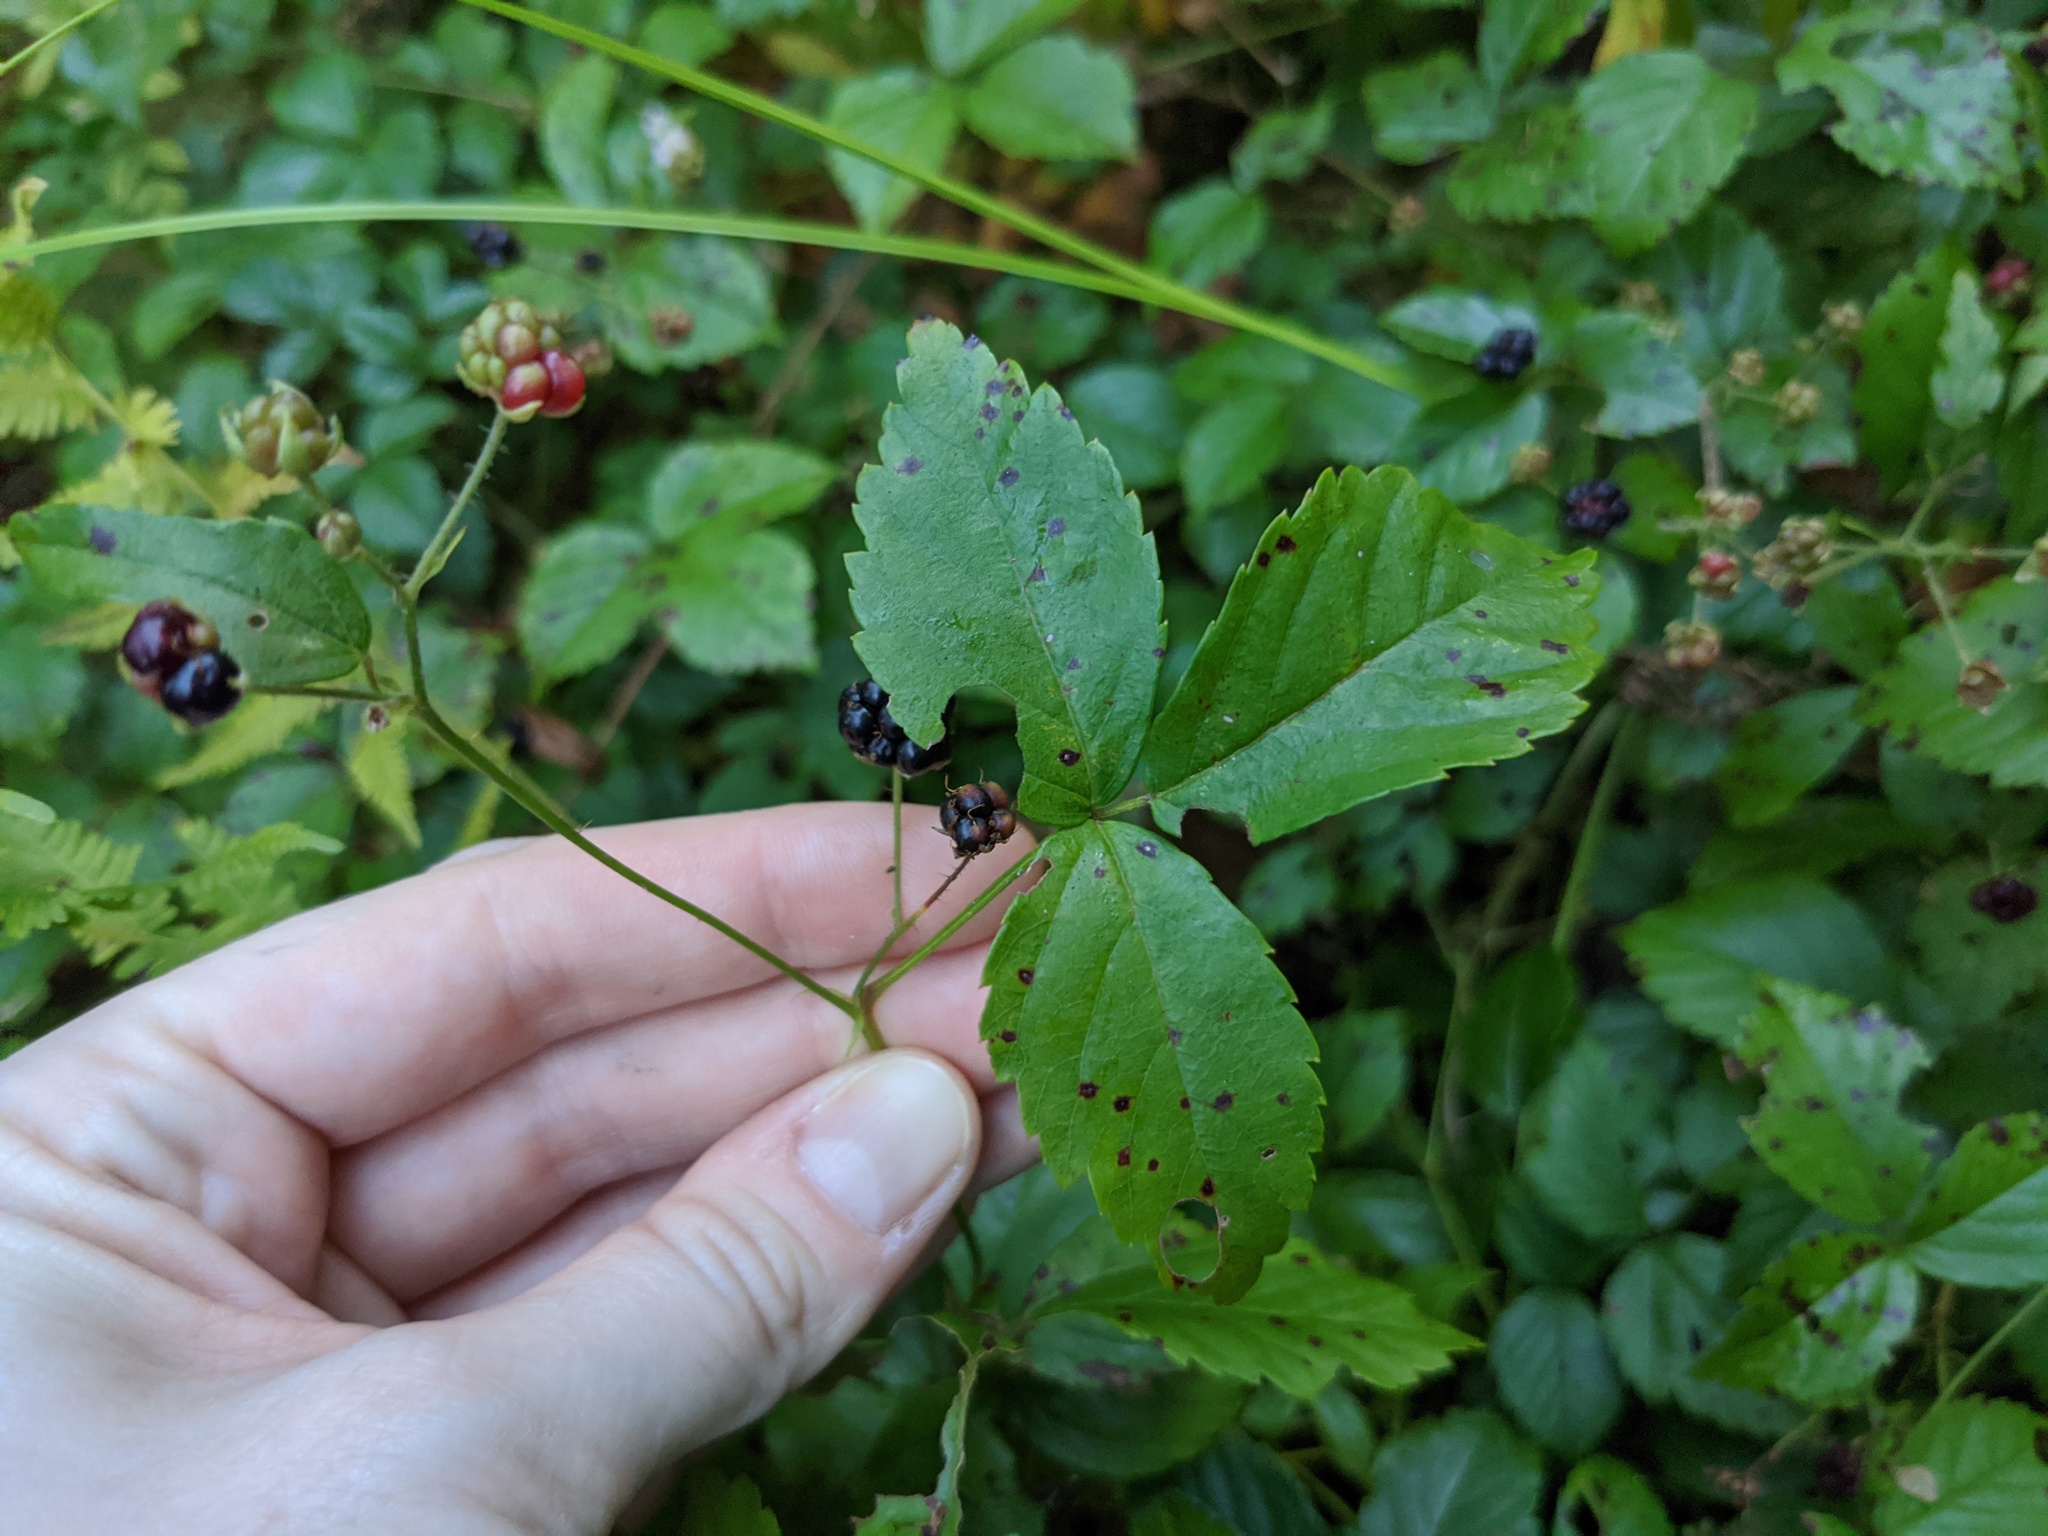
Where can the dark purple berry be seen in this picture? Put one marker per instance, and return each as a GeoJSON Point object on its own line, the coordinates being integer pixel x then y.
{"type": "Point", "coordinates": [1506, 355]}
{"type": "Point", "coordinates": [162, 635]}
{"type": "Point", "coordinates": [495, 245]}
{"type": "Point", "coordinates": [1838, 1471]}
{"type": "Point", "coordinates": [866, 726]}
{"type": "Point", "coordinates": [1595, 508]}
{"type": "Point", "coordinates": [2036, 51]}
{"type": "Point", "coordinates": [203, 688]}
{"type": "Point", "coordinates": [977, 817]}
{"type": "Point", "coordinates": [2004, 899]}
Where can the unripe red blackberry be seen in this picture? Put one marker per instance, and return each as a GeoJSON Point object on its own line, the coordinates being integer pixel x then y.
{"type": "Point", "coordinates": [281, 433]}
{"type": "Point", "coordinates": [1595, 508]}
{"type": "Point", "coordinates": [867, 727]}
{"type": "Point", "coordinates": [1716, 575]}
{"type": "Point", "coordinates": [977, 817]}
{"type": "Point", "coordinates": [161, 637]}
{"type": "Point", "coordinates": [525, 391]}
{"type": "Point", "coordinates": [505, 334]}
{"type": "Point", "coordinates": [565, 384]}
{"type": "Point", "coordinates": [2004, 899]}
{"type": "Point", "coordinates": [203, 688]}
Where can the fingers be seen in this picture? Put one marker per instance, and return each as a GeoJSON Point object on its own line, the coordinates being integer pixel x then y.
{"type": "Point", "coordinates": [363, 1015]}
{"type": "Point", "coordinates": [437, 1198]}
{"type": "Point", "coordinates": [744, 1279]}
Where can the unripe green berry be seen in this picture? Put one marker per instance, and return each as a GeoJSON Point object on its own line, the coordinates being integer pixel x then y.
{"type": "Point", "coordinates": [506, 336]}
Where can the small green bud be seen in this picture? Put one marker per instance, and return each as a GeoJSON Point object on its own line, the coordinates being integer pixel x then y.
{"type": "Point", "coordinates": [281, 433]}
{"type": "Point", "coordinates": [339, 533]}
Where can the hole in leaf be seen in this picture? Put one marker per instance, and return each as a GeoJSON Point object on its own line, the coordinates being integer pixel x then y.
{"type": "Point", "coordinates": [1188, 1241]}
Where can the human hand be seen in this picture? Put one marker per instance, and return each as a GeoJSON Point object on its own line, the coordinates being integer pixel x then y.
{"type": "Point", "coordinates": [462, 1206]}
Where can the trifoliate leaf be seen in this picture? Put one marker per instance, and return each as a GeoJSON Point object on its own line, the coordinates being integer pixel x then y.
{"type": "Point", "coordinates": [683, 303]}
{"type": "Point", "coordinates": [1900, 345]}
{"type": "Point", "coordinates": [1968, 383]}
{"type": "Point", "coordinates": [745, 482]}
{"type": "Point", "coordinates": [1648, 386]}
{"type": "Point", "coordinates": [1821, 1322]}
{"type": "Point", "coordinates": [736, 600]}
{"type": "Point", "coordinates": [1058, 98]}
{"type": "Point", "coordinates": [957, 37]}
{"type": "Point", "coordinates": [1914, 699]}
{"type": "Point", "coordinates": [1282, 145]}
{"type": "Point", "coordinates": [1781, 752]}
{"type": "Point", "coordinates": [1465, 1474]}
{"type": "Point", "coordinates": [1659, 133]}
{"type": "Point", "coordinates": [1705, 959]}
{"type": "Point", "coordinates": [1419, 110]}
{"type": "Point", "coordinates": [1302, 1321]}
{"type": "Point", "coordinates": [1977, 964]}
{"type": "Point", "coordinates": [1829, 1124]}
{"type": "Point", "coordinates": [582, 604]}
{"type": "Point", "coordinates": [1155, 1046]}
{"type": "Point", "coordinates": [285, 611]}
{"type": "Point", "coordinates": [1207, 231]}
{"type": "Point", "coordinates": [1003, 550]}
{"type": "Point", "coordinates": [902, 110]}
{"type": "Point", "coordinates": [1377, 639]}
{"type": "Point", "coordinates": [1936, 104]}
{"type": "Point", "coordinates": [1554, 1372]}
{"type": "Point", "coordinates": [1983, 1225]}
{"type": "Point", "coordinates": [1983, 1461]}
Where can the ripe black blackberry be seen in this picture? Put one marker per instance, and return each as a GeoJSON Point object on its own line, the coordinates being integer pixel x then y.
{"type": "Point", "coordinates": [203, 688]}
{"type": "Point", "coordinates": [160, 637]}
{"type": "Point", "coordinates": [867, 727]}
{"type": "Point", "coordinates": [1595, 508]}
{"type": "Point", "coordinates": [1506, 354]}
{"type": "Point", "coordinates": [977, 817]}
{"type": "Point", "coordinates": [495, 245]}
{"type": "Point", "coordinates": [2005, 899]}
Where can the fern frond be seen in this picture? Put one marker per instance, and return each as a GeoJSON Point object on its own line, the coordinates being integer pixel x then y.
{"type": "Point", "coordinates": [42, 395]}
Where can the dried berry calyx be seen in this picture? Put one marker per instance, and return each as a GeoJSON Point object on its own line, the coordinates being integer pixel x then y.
{"type": "Point", "coordinates": [1802, 546]}
{"type": "Point", "coordinates": [1692, 645]}
{"type": "Point", "coordinates": [1980, 684]}
{"type": "Point", "coordinates": [1595, 508]}
{"type": "Point", "coordinates": [977, 817]}
{"type": "Point", "coordinates": [1796, 402]}
{"type": "Point", "coordinates": [204, 688]}
{"type": "Point", "coordinates": [281, 433]}
{"type": "Point", "coordinates": [2004, 899]}
{"type": "Point", "coordinates": [1506, 354]}
{"type": "Point", "coordinates": [161, 638]}
{"type": "Point", "coordinates": [867, 727]}
{"type": "Point", "coordinates": [502, 355]}
{"type": "Point", "coordinates": [339, 533]}
{"type": "Point", "coordinates": [1716, 575]}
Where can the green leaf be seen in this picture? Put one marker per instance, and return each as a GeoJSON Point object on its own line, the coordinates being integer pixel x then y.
{"type": "Point", "coordinates": [1781, 752]}
{"type": "Point", "coordinates": [378, 769]}
{"type": "Point", "coordinates": [1983, 1224]}
{"type": "Point", "coordinates": [719, 1506]}
{"type": "Point", "coordinates": [1583, 1139]}
{"type": "Point", "coordinates": [1289, 888]}
{"type": "Point", "coordinates": [581, 606]}
{"type": "Point", "coordinates": [41, 688]}
{"type": "Point", "coordinates": [1058, 98]}
{"type": "Point", "coordinates": [1968, 384]}
{"type": "Point", "coordinates": [1207, 231]}
{"type": "Point", "coordinates": [1516, 36]}
{"type": "Point", "coordinates": [1528, 170]}
{"type": "Point", "coordinates": [1002, 549]}
{"type": "Point", "coordinates": [573, 117]}
{"type": "Point", "coordinates": [1900, 345]}
{"type": "Point", "coordinates": [1662, 1308]}
{"type": "Point", "coordinates": [739, 481]}
{"type": "Point", "coordinates": [1233, 446]}
{"type": "Point", "coordinates": [959, 36]}
{"type": "Point", "coordinates": [1915, 697]}
{"type": "Point", "coordinates": [1131, 410]}
{"type": "Point", "coordinates": [257, 728]}
{"type": "Point", "coordinates": [1554, 1371]}
{"type": "Point", "coordinates": [1364, 1068]}
{"type": "Point", "coordinates": [737, 600]}
{"type": "Point", "coordinates": [938, 1513]}
{"type": "Point", "coordinates": [1618, 1497]}
{"type": "Point", "coordinates": [1455, 322]}
{"type": "Point", "coordinates": [1648, 387]}
{"type": "Point", "coordinates": [328, 97]}
{"type": "Point", "coordinates": [1154, 1045]}
{"type": "Point", "coordinates": [899, 109]}
{"type": "Point", "coordinates": [284, 610]}
{"type": "Point", "coordinates": [1465, 1474]}
{"type": "Point", "coordinates": [1821, 1322]}
{"type": "Point", "coordinates": [1419, 110]}
{"type": "Point", "coordinates": [14, 803]}
{"type": "Point", "coordinates": [1933, 104]}
{"type": "Point", "coordinates": [51, 870]}
{"type": "Point", "coordinates": [1859, 618]}
{"type": "Point", "coordinates": [1467, 445]}
{"type": "Point", "coordinates": [1829, 1124]}
{"type": "Point", "coordinates": [1282, 145]}
{"type": "Point", "coordinates": [1705, 958]}
{"type": "Point", "coordinates": [1304, 1320]}
{"type": "Point", "coordinates": [713, 284]}
{"type": "Point", "coordinates": [1987, 1473]}
{"type": "Point", "coordinates": [1517, 1029]}
{"type": "Point", "coordinates": [1660, 132]}
{"type": "Point", "coordinates": [1438, 643]}
{"type": "Point", "coordinates": [1977, 964]}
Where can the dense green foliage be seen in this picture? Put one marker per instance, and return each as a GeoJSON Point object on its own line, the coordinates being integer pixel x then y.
{"type": "Point", "coordinates": [1529, 1023]}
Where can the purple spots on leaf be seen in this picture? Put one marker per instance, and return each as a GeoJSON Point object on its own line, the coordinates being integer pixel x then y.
{"type": "Point", "coordinates": [1037, 573]}
{"type": "Point", "coordinates": [1027, 975]}
{"type": "Point", "coordinates": [101, 539]}
{"type": "Point", "coordinates": [988, 412]}
{"type": "Point", "coordinates": [1056, 527]}
{"type": "Point", "coordinates": [1069, 756]}
{"type": "Point", "coordinates": [1007, 478]}
{"type": "Point", "coordinates": [1571, 581]}
{"type": "Point", "coordinates": [1016, 415]}
{"type": "Point", "coordinates": [1088, 1090]}
{"type": "Point", "coordinates": [1121, 1103]}
{"type": "Point", "coordinates": [1073, 664]}
{"type": "Point", "coordinates": [1150, 850]}
{"type": "Point", "coordinates": [1224, 1100]}
{"type": "Point", "coordinates": [1486, 685]}
{"type": "Point", "coordinates": [969, 343]}
{"type": "Point", "coordinates": [910, 466]}
{"type": "Point", "coordinates": [1557, 646]}
{"type": "Point", "coordinates": [1452, 655]}
{"type": "Point", "coordinates": [1521, 733]}
{"type": "Point", "coordinates": [1478, 613]}
{"type": "Point", "coordinates": [1065, 414]}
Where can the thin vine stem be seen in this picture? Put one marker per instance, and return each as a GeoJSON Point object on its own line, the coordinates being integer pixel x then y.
{"type": "Point", "coordinates": [1155, 287]}
{"type": "Point", "coordinates": [1586, 853]}
{"type": "Point", "coordinates": [967, 914]}
{"type": "Point", "coordinates": [443, 542]}
{"type": "Point", "coordinates": [896, 862]}
{"type": "Point", "coordinates": [56, 34]}
{"type": "Point", "coordinates": [1990, 1347]}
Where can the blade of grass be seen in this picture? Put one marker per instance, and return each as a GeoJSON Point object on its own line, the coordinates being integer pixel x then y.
{"type": "Point", "coordinates": [56, 34]}
{"type": "Point", "coordinates": [1157, 286]}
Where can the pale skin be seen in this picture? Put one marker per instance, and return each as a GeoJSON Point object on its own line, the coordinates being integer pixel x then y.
{"type": "Point", "coordinates": [467, 1205]}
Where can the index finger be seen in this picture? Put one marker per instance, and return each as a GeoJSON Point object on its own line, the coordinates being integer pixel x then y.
{"type": "Point", "coordinates": [356, 1017]}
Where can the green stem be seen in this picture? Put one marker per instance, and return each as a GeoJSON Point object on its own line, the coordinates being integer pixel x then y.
{"type": "Point", "coordinates": [1990, 1347]}
{"type": "Point", "coordinates": [967, 914]}
{"type": "Point", "coordinates": [1154, 286]}
{"type": "Point", "coordinates": [314, 691]}
{"type": "Point", "coordinates": [1587, 851]}
{"type": "Point", "coordinates": [896, 864]}
{"type": "Point", "coordinates": [443, 542]}
{"type": "Point", "coordinates": [55, 34]}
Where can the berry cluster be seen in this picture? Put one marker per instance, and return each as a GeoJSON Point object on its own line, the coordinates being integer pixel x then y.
{"type": "Point", "coordinates": [174, 657]}
{"type": "Point", "coordinates": [866, 726]}
{"type": "Point", "coordinates": [2004, 899]}
{"type": "Point", "coordinates": [281, 433]}
{"type": "Point", "coordinates": [1595, 508]}
{"type": "Point", "coordinates": [977, 817]}
{"type": "Point", "coordinates": [1506, 354]}
{"type": "Point", "coordinates": [511, 355]}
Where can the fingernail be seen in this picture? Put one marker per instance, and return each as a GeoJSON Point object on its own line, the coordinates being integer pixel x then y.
{"type": "Point", "coordinates": [890, 1132]}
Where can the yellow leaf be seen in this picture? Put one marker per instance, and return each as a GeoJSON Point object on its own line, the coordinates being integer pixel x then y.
{"type": "Point", "coordinates": [259, 726]}
{"type": "Point", "coordinates": [42, 395]}
{"type": "Point", "coordinates": [146, 416]}
{"type": "Point", "coordinates": [236, 490]}
{"type": "Point", "coordinates": [140, 479]}
{"type": "Point", "coordinates": [98, 628]}
{"type": "Point", "coordinates": [1633, 26]}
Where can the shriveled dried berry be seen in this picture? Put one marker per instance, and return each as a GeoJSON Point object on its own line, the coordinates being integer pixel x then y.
{"type": "Point", "coordinates": [161, 638]}
{"type": "Point", "coordinates": [1980, 685]}
{"type": "Point", "coordinates": [1595, 508]}
{"type": "Point", "coordinates": [2004, 899]}
{"type": "Point", "coordinates": [203, 689]}
{"type": "Point", "coordinates": [1506, 354]}
{"type": "Point", "coordinates": [1692, 646]}
{"type": "Point", "coordinates": [977, 817]}
{"type": "Point", "coordinates": [1838, 1471]}
{"type": "Point", "coordinates": [867, 727]}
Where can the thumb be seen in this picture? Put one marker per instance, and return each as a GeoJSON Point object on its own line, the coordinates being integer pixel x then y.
{"type": "Point", "coordinates": [745, 1279]}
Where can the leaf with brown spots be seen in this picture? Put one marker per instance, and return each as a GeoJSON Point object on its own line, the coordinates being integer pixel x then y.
{"type": "Point", "coordinates": [1985, 1223]}
{"type": "Point", "coordinates": [1821, 1322]}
